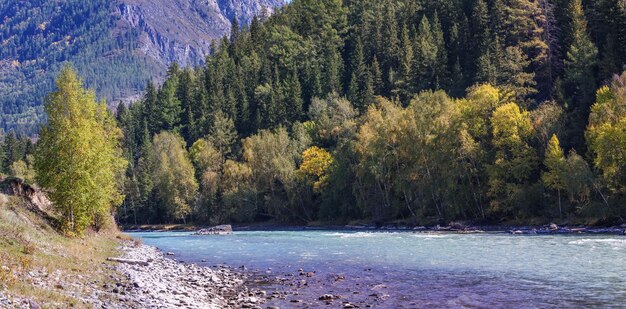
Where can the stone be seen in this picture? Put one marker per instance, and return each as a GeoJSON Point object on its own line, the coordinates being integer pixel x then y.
{"type": "Point", "coordinates": [33, 304]}
{"type": "Point", "coordinates": [553, 227]}
{"type": "Point", "coordinates": [216, 230]}
{"type": "Point", "coordinates": [328, 297]}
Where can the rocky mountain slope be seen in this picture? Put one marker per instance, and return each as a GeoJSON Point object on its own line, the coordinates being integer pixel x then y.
{"type": "Point", "coordinates": [182, 30]}
{"type": "Point", "coordinates": [128, 41]}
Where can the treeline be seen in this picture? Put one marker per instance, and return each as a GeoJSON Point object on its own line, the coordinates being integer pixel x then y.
{"type": "Point", "coordinates": [38, 37]}
{"type": "Point", "coordinates": [382, 110]}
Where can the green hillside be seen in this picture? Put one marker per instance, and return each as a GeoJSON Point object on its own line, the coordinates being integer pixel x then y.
{"type": "Point", "coordinates": [37, 37]}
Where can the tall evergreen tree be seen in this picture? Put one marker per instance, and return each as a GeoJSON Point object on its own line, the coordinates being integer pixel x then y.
{"type": "Point", "coordinates": [425, 56]}
{"type": "Point", "coordinates": [579, 76]}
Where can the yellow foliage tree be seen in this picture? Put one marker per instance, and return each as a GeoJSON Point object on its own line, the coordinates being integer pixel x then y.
{"type": "Point", "coordinates": [173, 175]}
{"type": "Point", "coordinates": [606, 133]}
{"type": "Point", "coordinates": [316, 163]}
{"type": "Point", "coordinates": [78, 159]}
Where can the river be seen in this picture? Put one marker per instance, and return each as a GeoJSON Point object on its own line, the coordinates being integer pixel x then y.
{"type": "Point", "coordinates": [418, 270]}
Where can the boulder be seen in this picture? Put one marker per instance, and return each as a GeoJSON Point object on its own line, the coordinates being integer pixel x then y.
{"type": "Point", "coordinates": [328, 297]}
{"type": "Point", "coordinates": [216, 230]}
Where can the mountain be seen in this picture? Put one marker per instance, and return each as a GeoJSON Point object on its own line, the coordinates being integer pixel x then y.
{"type": "Point", "coordinates": [128, 41]}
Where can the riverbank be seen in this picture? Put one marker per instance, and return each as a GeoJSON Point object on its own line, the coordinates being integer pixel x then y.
{"type": "Point", "coordinates": [40, 268]}
{"type": "Point", "coordinates": [159, 280]}
{"type": "Point", "coordinates": [308, 269]}
{"type": "Point", "coordinates": [451, 228]}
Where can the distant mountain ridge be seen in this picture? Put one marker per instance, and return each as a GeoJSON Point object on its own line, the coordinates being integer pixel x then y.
{"type": "Point", "coordinates": [128, 41]}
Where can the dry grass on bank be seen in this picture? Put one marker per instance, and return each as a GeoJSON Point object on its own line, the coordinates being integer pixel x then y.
{"type": "Point", "coordinates": [39, 264]}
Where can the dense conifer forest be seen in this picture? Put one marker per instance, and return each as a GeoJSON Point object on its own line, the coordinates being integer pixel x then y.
{"type": "Point", "coordinates": [489, 111]}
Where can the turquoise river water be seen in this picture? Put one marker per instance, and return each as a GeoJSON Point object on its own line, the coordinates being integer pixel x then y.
{"type": "Point", "coordinates": [417, 270]}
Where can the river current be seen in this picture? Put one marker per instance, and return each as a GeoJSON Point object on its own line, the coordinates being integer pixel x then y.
{"type": "Point", "coordinates": [419, 270]}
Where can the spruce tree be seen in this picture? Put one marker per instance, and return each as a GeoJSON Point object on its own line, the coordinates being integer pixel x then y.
{"type": "Point", "coordinates": [425, 56]}
{"type": "Point", "coordinates": [441, 65]}
{"type": "Point", "coordinates": [579, 75]}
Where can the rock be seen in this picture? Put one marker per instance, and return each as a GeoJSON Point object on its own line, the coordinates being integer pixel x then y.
{"type": "Point", "coordinates": [216, 230]}
{"type": "Point", "coordinates": [170, 253]}
{"type": "Point", "coordinates": [349, 305]}
{"type": "Point", "coordinates": [328, 297]}
{"type": "Point", "coordinates": [553, 227]}
{"type": "Point", "coordinates": [33, 304]}
{"type": "Point", "coordinates": [253, 300]}
{"type": "Point", "coordinates": [127, 261]}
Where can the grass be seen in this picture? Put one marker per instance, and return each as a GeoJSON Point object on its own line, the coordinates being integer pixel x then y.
{"type": "Point", "coordinates": [64, 268]}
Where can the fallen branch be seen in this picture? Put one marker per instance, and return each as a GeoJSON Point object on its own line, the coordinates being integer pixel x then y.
{"type": "Point", "coordinates": [126, 261]}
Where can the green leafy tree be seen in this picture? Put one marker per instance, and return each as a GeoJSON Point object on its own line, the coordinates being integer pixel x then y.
{"type": "Point", "coordinates": [173, 175]}
{"type": "Point", "coordinates": [606, 134]}
{"type": "Point", "coordinates": [78, 158]}
{"type": "Point", "coordinates": [514, 162]}
{"type": "Point", "coordinates": [556, 175]}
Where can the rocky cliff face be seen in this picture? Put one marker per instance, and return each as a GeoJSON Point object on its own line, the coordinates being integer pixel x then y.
{"type": "Point", "coordinates": [182, 30]}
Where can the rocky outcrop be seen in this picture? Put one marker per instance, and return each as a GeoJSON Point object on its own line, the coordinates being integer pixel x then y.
{"type": "Point", "coordinates": [36, 199]}
{"type": "Point", "coordinates": [182, 30]}
{"type": "Point", "coordinates": [216, 230]}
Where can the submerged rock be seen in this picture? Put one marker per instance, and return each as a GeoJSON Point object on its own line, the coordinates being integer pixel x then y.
{"type": "Point", "coordinates": [216, 230]}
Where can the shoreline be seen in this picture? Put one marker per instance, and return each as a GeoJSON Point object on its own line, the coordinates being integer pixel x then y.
{"type": "Point", "coordinates": [164, 282]}
{"type": "Point", "coordinates": [550, 229]}
{"type": "Point", "coordinates": [293, 287]}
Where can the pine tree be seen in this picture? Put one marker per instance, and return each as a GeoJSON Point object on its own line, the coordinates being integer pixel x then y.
{"type": "Point", "coordinates": [294, 97]}
{"type": "Point", "coordinates": [425, 56]}
{"type": "Point", "coordinates": [547, 76]}
{"type": "Point", "coordinates": [441, 65]}
{"type": "Point", "coordinates": [184, 94]}
{"type": "Point", "coordinates": [480, 35]}
{"type": "Point", "coordinates": [581, 59]}
{"type": "Point", "coordinates": [150, 108]}
{"type": "Point", "coordinates": [377, 76]}
{"type": "Point", "coordinates": [168, 109]}
{"type": "Point", "coordinates": [579, 77]}
{"type": "Point", "coordinates": [524, 22]}
{"type": "Point", "coordinates": [405, 83]}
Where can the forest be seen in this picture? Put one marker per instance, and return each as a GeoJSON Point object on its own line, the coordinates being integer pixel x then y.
{"type": "Point", "coordinates": [416, 111]}
{"type": "Point", "coordinates": [420, 112]}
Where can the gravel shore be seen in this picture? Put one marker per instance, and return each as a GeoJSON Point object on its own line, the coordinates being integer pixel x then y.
{"type": "Point", "coordinates": [166, 283]}
{"type": "Point", "coordinates": [156, 281]}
